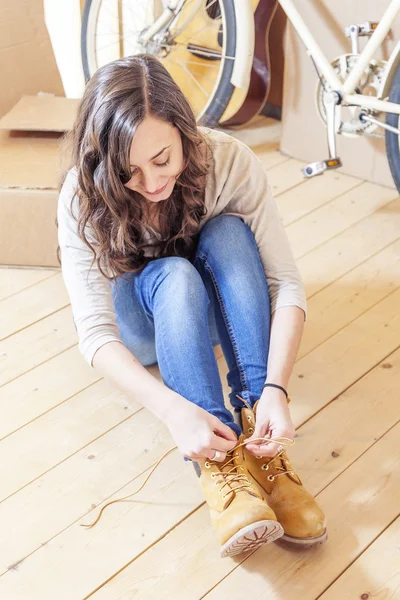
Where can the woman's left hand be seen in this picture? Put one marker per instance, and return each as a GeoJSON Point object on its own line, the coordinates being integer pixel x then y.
{"type": "Point", "coordinates": [272, 420]}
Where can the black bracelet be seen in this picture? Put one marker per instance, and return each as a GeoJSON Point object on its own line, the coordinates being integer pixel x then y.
{"type": "Point", "coordinates": [279, 387]}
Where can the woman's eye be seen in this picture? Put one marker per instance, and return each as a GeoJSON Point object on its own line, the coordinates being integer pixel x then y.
{"type": "Point", "coordinates": [164, 164]}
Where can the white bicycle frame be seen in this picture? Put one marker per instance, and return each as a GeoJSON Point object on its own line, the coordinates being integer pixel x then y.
{"type": "Point", "coordinates": [347, 88]}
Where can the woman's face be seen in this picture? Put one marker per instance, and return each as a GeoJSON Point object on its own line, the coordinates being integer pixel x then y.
{"type": "Point", "coordinates": [156, 159]}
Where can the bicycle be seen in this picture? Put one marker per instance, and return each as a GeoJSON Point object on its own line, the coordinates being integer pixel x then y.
{"type": "Point", "coordinates": [227, 38]}
{"type": "Point", "coordinates": [206, 45]}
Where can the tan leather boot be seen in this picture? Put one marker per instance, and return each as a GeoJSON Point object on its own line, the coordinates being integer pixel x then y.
{"type": "Point", "coordinates": [240, 517]}
{"type": "Point", "coordinates": [297, 511]}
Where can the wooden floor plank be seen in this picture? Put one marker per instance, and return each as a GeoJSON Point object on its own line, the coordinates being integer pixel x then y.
{"type": "Point", "coordinates": [345, 357]}
{"type": "Point", "coordinates": [32, 304]}
{"type": "Point", "coordinates": [313, 193]}
{"type": "Point", "coordinates": [73, 488]}
{"type": "Point", "coordinates": [347, 250]}
{"type": "Point", "coordinates": [376, 574]}
{"type": "Point", "coordinates": [331, 219]}
{"type": "Point", "coordinates": [14, 280]}
{"type": "Point", "coordinates": [59, 433]}
{"type": "Point", "coordinates": [269, 155]}
{"type": "Point", "coordinates": [147, 516]}
{"type": "Point", "coordinates": [351, 295]}
{"type": "Point", "coordinates": [41, 389]}
{"type": "Point", "coordinates": [284, 176]}
{"type": "Point", "coordinates": [35, 344]}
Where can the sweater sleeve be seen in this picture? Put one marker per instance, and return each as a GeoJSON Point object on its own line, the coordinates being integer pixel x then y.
{"type": "Point", "coordinates": [248, 195]}
{"type": "Point", "coordinates": [89, 291]}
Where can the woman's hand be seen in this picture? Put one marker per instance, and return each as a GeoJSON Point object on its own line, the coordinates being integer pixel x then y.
{"type": "Point", "coordinates": [197, 433]}
{"type": "Point", "coordinates": [273, 418]}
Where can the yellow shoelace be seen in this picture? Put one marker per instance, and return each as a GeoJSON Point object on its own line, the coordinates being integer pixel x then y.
{"type": "Point", "coordinates": [287, 467]}
{"type": "Point", "coordinates": [278, 440]}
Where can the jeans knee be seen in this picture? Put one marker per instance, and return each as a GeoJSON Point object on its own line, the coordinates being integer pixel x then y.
{"type": "Point", "coordinates": [225, 229]}
{"type": "Point", "coordinates": [181, 276]}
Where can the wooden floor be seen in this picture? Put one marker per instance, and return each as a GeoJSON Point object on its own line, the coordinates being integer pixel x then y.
{"type": "Point", "coordinates": [70, 442]}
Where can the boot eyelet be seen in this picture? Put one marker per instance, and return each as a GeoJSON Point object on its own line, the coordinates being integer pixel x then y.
{"type": "Point", "coordinates": [207, 465]}
{"type": "Point", "coordinates": [270, 478]}
{"type": "Point", "coordinates": [264, 467]}
{"type": "Point", "coordinates": [249, 418]}
{"type": "Point", "coordinates": [212, 475]}
{"type": "Point", "coordinates": [250, 430]}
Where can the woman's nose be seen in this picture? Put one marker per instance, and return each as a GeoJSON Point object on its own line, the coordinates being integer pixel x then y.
{"type": "Point", "coordinates": [150, 183]}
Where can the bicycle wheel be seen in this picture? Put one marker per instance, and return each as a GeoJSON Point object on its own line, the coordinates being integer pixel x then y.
{"type": "Point", "coordinates": [198, 50]}
{"type": "Point", "coordinates": [392, 139]}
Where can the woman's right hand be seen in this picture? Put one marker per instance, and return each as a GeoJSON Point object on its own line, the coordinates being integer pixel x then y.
{"type": "Point", "coordinates": [197, 433]}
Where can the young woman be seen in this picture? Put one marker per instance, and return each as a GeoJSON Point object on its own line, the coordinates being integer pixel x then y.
{"type": "Point", "coordinates": [171, 243]}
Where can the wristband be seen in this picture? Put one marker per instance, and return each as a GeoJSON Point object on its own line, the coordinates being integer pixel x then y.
{"type": "Point", "coordinates": [279, 387]}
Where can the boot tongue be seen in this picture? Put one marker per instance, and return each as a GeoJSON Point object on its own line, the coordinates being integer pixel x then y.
{"type": "Point", "coordinates": [239, 462]}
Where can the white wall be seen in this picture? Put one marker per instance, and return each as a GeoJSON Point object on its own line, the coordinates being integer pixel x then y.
{"type": "Point", "coordinates": [63, 22]}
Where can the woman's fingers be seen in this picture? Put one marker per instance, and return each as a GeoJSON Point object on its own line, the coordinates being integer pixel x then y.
{"type": "Point", "coordinates": [267, 450]}
{"type": "Point", "coordinates": [223, 430]}
{"type": "Point", "coordinates": [210, 456]}
{"type": "Point", "coordinates": [259, 447]}
{"type": "Point", "coordinates": [221, 444]}
{"type": "Point", "coordinates": [217, 455]}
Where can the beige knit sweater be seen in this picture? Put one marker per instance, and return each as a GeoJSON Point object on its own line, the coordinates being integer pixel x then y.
{"type": "Point", "coordinates": [237, 185]}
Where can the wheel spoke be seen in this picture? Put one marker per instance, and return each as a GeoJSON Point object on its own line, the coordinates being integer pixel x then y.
{"type": "Point", "coordinates": [123, 37]}
{"type": "Point", "coordinates": [200, 30]}
{"type": "Point", "coordinates": [211, 80]}
{"type": "Point", "coordinates": [193, 78]}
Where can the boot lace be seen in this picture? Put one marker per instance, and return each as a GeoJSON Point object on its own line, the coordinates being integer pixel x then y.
{"type": "Point", "coordinates": [285, 466]}
{"type": "Point", "coordinates": [231, 476]}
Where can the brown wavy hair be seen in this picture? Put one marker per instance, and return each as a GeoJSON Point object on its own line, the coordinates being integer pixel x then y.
{"type": "Point", "coordinates": [116, 100]}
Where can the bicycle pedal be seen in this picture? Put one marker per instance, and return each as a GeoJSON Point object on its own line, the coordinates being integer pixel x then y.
{"type": "Point", "coordinates": [317, 168]}
{"type": "Point", "coordinates": [363, 29]}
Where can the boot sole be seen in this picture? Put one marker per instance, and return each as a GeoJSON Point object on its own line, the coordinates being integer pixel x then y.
{"type": "Point", "coordinates": [319, 539]}
{"type": "Point", "coordinates": [251, 537]}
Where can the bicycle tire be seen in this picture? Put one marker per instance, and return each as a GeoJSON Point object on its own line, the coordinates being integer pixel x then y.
{"type": "Point", "coordinates": [225, 88]}
{"type": "Point", "coordinates": [392, 139]}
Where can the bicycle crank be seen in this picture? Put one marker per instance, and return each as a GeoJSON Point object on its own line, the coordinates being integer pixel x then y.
{"type": "Point", "coordinates": [332, 101]}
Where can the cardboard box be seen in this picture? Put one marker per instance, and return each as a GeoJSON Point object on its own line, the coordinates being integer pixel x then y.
{"type": "Point", "coordinates": [27, 63]}
{"type": "Point", "coordinates": [31, 167]}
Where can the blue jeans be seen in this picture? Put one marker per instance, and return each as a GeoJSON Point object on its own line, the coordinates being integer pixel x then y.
{"type": "Point", "coordinates": [176, 310]}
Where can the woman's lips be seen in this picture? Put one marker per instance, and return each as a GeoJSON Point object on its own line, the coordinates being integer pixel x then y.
{"type": "Point", "coordinates": [158, 191]}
